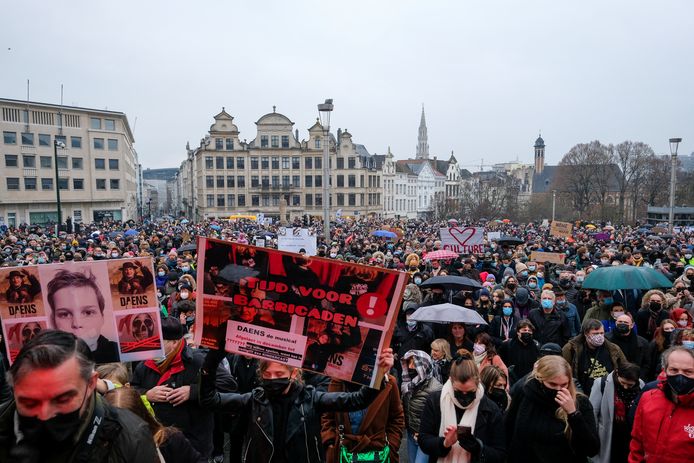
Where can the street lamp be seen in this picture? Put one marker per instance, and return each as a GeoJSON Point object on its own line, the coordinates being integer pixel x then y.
{"type": "Point", "coordinates": [554, 202]}
{"type": "Point", "coordinates": [57, 144]}
{"type": "Point", "coordinates": [324, 110]}
{"type": "Point", "coordinates": [674, 143]}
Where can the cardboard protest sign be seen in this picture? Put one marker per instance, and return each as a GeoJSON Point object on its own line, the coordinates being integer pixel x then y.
{"type": "Point", "coordinates": [552, 257]}
{"type": "Point", "coordinates": [468, 240]}
{"type": "Point", "coordinates": [493, 236]}
{"type": "Point", "coordinates": [318, 314]}
{"type": "Point", "coordinates": [111, 304]}
{"type": "Point", "coordinates": [294, 239]}
{"type": "Point", "coordinates": [561, 229]}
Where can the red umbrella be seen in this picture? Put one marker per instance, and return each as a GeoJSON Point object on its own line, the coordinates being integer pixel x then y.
{"type": "Point", "coordinates": [441, 254]}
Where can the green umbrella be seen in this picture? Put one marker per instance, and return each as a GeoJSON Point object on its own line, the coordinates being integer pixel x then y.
{"type": "Point", "coordinates": [625, 277]}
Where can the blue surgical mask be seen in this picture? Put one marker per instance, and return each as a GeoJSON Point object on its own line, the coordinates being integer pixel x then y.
{"type": "Point", "coordinates": [688, 344]}
{"type": "Point", "coordinates": [411, 325]}
{"type": "Point", "coordinates": [532, 285]}
{"type": "Point", "coordinates": [418, 281]}
{"type": "Point", "coordinates": [508, 311]}
{"type": "Point", "coordinates": [531, 268]}
{"type": "Point", "coordinates": [608, 301]}
{"type": "Point", "coordinates": [547, 304]}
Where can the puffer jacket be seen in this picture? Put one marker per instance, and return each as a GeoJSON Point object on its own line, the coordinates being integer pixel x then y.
{"type": "Point", "coordinates": [302, 439]}
{"type": "Point", "coordinates": [413, 402]}
{"type": "Point", "coordinates": [663, 430]}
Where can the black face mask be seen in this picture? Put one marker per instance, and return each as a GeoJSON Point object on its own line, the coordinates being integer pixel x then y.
{"type": "Point", "coordinates": [680, 384]}
{"type": "Point", "coordinates": [275, 387]}
{"type": "Point", "coordinates": [621, 328]}
{"type": "Point", "coordinates": [57, 429]}
{"type": "Point", "coordinates": [412, 373]}
{"type": "Point", "coordinates": [549, 393]}
{"type": "Point", "coordinates": [564, 283]}
{"type": "Point", "coordinates": [465, 398]}
{"type": "Point", "coordinates": [499, 397]}
{"type": "Point", "coordinates": [655, 306]}
{"type": "Point", "coordinates": [526, 337]}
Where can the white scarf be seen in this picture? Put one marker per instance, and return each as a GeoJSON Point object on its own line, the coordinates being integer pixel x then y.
{"type": "Point", "coordinates": [448, 418]}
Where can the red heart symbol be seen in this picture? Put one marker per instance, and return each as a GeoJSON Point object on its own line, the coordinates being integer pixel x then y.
{"type": "Point", "coordinates": [462, 236]}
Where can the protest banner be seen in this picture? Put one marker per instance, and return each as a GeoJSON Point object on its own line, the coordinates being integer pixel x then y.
{"type": "Point", "coordinates": [321, 315]}
{"type": "Point", "coordinates": [552, 257]}
{"type": "Point", "coordinates": [561, 229]}
{"type": "Point", "coordinates": [294, 239]}
{"type": "Point", "coordinates": [468, 240]}
{"type": "Point", "coordinates": [493, 236]}
{"type": "Point", "coordinates": [111, 304]}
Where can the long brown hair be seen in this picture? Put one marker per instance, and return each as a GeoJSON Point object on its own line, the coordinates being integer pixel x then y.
{"type": "Point", "coordinates": [128, 399]}
{"type": "Point", "coordinates": [464, 368]}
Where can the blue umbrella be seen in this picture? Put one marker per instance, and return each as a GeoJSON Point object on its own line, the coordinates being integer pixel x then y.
{"type": "Point", "coordinates": [384, 234]}
{"type": "Point", "coordinates": [184, 221]}
{"type": "Point", "coordinates": [130, 232]}
{"type": "Point", "coordinates": [215, 227]}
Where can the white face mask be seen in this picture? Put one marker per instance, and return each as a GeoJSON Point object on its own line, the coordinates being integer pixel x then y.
{"type": "Point", "coordinates": [682, 322]}
{"type": "Point", "coordinates": [185, 295]}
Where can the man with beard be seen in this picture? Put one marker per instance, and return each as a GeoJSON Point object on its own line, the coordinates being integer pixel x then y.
{"type": "Point", "coordinates": [56, 414]}
{"type": "Point", "coordinates": [20, 292]}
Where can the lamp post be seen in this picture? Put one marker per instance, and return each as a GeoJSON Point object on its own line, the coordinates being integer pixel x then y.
{"type": "Point", "coordinates": [324, 110]}
{"type": "Point", "coordinates": [57, 144]}
{"type": "Point", "coordinates": [554, 203]}
{"type": "Point", "coordinates": [674, 143]}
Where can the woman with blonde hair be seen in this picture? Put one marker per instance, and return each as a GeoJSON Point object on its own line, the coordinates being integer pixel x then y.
{"type": "Point", "coordinates": [441, 355]}
{"type": "Point", "coordinates": [651, 314]}
{"type": "Point", "coordinates": [548, 421]}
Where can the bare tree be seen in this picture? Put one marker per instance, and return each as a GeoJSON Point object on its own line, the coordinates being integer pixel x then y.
{"type": "Point", "coordinates": [490, 195]}
{"type": "Point", "coordinates": [632, 159]}
{"type": "Point", "coordinates": [651, 186]}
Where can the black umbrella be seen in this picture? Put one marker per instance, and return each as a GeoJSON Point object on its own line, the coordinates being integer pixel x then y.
{"type": "Point", "coordinates": [509, 241]}
{"type": "Point", "coordinates": [188, 247]}
{"type": "Point", "coordinates": [452, 282]}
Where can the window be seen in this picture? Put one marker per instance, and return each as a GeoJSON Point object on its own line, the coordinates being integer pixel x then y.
{"type": "Point", "coordinates": [254, 181]}
{"type": "Point", "coordinates": [296, 181]}
{"type": "Point", "coordinates": [275, 200]}
{"type": "Point", "coordinates": [241, 181]}
{"type": "Point", "coordinates": [317, 145]}
{"type": "Point", "coordinates": [231, 200]}
{"type": "Point", "coordinates": [209, 162]}
{"type": "Point", "coordinates": [296, 200]}
{"type": "Point", "coordinates": [95, 123]}
{"type": "Point", "coordinates": [241, 199]}
{"type": "Point", "coordinates": [352, 198]}
{"type": "Point", "coordinates": [220, 181]}
{"type": "Point", "coordinates": [230, 162]}
{"type": "Point", "coordinates": [76, 142]}
{"type": "Point", "coordinates": [340, 163]}
{"type": "Point", "coordinates": [275, 162]}
{"type": "Point", "coordinates": [113, 164]}
{"type": "Point", "coordinates": [218, 144]}
{"type": "Point", "coordinates": [209, 181]}
{"type": "Point", "coordinates": [319, 199]}
{"type": "Point", "coordinates": [219, 162]}
{"type": "Point", "coordinates": [62, 162]}
{"type": "Point", "coordinates": [340, 181]}
{"type": "Point", "coordinates": [309, 199]}
{"type": "Point", "coordinates": [13, 183]}
{"type": "Point", "coordinates": [45, 139]}
{"type": "Point", "coordinates": [30, 183]}
{"type": "Point", "coordinates": [265, 181]}
{"type": "Point", "coordinates": [351, 181]}
{"type": "Point", "coordinates": [255, 200]}
{"type": "Point", "coordinates": [220, 200]}
{"type": "Point", "coordinates": [78, 184]}
{"type": "Point", "coordinates": [296, 162]}
{"type": "Point", "coordinates": [98, 143]}
{"type": "Point", "coordinates": [77, 163]}
{"type": "Point", "coordinates": [46, 183]}
{"type": "Point", "coordinates": [109, 124]}
{"type": "Point", "coordinates": [28, 160]}
{"type": "Point", "coordinates": [265, 162]}
{"type": "Point", "coordinates": [285, 141]}
{"type": "Point", "coordinates": [10, 138]}
{"type": "Point", "coordinates": [318, 162]}
{"type": "Point", "coordinates": [113, 144]}
{"type": "Point", "coordinates": [308, 181]}
{"type": "Point", "coordinates": [63, 183]}
{"type": "Point", "coordinates": [266, 201]}
{"type": "Point", "coordinates": [285, 162]}
{"type": "Point", "coordinates": [230, 144]}
{"type": "Point", "coordinates": [275, 181]}
{"type": "Point", "coordinates": [230, 181]}
{"type": "Point", "coordinates": [46, 162]}
{"type": "Point", "coordinates": [318, 181]}
{"type": "Point", "coordinates": [340, 199]}
{"type": "Point", "coordinates": [263, 141]}
{"type": "Point", "coordinates": [240, 163]}
{"type": "Point", "coordinates": [210, 200]}
{"type": "Point", "coordinates": [351, 163]}
{"type": "Point", "coordinates": [275, 141]}
{"type": "Point", "coordinates": [254, 162]}
{"type": "Point", "coordinates": [28, 139]}
{"type": "Point", "coordinates": [100, 183]}
{"type": "Point", "coordinates": [11, 160]}
{"type": "Point", "coordinates": [308, 163]}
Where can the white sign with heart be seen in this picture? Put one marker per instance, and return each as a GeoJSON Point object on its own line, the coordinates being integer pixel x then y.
{"type": "Point", "coordinates": [469, 240]}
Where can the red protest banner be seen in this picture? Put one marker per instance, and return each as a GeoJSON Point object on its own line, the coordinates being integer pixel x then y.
{"type": "Point", "coordinates": [318, 314]}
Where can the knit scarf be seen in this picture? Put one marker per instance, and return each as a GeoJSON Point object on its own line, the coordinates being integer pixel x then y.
{"type": "Point", "coordinates": [448, 418]}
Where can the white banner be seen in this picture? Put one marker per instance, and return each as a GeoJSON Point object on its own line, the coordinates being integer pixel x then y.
{"type": "Point", "coordinates": [294, 239]}
{"type": "Point", "coordinates": [468, 240]}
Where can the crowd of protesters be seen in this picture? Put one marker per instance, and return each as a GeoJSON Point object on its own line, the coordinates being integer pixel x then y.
{"type": "Point", "coordinates": [558, 373]}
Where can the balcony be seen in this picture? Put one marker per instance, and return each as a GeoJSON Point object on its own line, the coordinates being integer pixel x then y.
{"type": "Point", "coordinates": [266, 187]}
{"type": "Point", "coordinates": [28, 149]}
{"type": "Point", "coordinates": [30, 172]}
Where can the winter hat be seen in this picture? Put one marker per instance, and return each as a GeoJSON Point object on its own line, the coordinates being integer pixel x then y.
{"type": "Point", "coordinates": [409, 307]}
{"type": "Point", "coordinates": [522, 296]}
{"type": "Point", "coordinates": [484, 292]}
{"type": "Point", "coordinates": [520, 267]}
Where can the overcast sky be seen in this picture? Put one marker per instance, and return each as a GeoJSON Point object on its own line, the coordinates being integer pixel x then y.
{"type": "Point", "coordinates": [490, 74]}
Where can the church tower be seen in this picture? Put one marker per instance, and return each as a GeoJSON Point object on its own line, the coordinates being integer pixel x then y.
{"type": "Point", "coordinates": [539, 155]}
{"type": "Point", "coordinates": [422, 140]}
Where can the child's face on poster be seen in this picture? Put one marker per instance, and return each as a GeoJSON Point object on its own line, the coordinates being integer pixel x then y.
{"type": "Point", "coordinates": [77, 311]}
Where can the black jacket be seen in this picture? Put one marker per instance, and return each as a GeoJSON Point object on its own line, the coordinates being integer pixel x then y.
{"type": "Point", "coordinates": [519, 357]}
{"type": "Point", "coordinates": [550, 328]}
{"type": "Point", "coordinates": [536, 435]}
{"type": "Point", "coordinates": [302, 438]}
{"type": "Point", "coordinates": [121, 437]}
{"type": "Point", "coordinates": [642, 317]}
{"type": "Point", "coordinates": [635, 349]}
{"type": "Point", "coordinates": [489, 430]}
{"type": "Point", "coordinates": [405, 340]}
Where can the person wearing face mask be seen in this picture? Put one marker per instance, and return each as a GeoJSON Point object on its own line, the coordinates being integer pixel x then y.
{"type": "Point", "coordinates": [187, 269]}
{"type": "Point", "coordinates": [520, 352]}
{"type": "Point", "coordinates": [283, 416]}
{"type": "Point", "coordinates": [495, 384]}
{"type": "Point", "coordinates": [418, 382]}
{"type": "Point", "coordinates": [613, 398]}
{"type": "Point", "coordinates": [162, 276]}
{"type": "Point", "coordinates": [562, 303]}
{"type": "Point", "coordinates": [683, 318]}
{"type": "Point", "coordinates": [510, 286]}
{"type": "Point", "coordinates": [56, 414]}
{"type": "Point", "coordinates": [484, 353]}
{"type": "Point", "coordinates": [651, 313]}
{"type": "Point", "coordinates": [503, 327]}
{"type": "Point", "coordinates": [634, 347]}
{"type": "Point", "coordinates": [602, 308]}
{"type": "Point", "coordinates": [663, 422]}
{"type": "Point", "coordinates": [410, 334]}
{"type": "Point", "coordinates": [590, 355]}
{"type": "Point", "coordinates": [550, 324]}
{"type": "Point", "coordinates": [663, 339]}
{"type": "Point", "coordinates": [522, 273]}
{"type": "Point", "coordinates": [549, 421]}
{"type": "Point", "coordinates": [460, 423]}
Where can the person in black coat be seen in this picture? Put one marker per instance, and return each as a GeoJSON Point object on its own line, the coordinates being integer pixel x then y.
{"type": "Point", "coordinates": [503, 327]}
{"type": "Point", "coordinates": [462, 403]}
{"type": "Point", "coordinates": [548, 421]}
{"type": "Point", "coordinates": [634, 347]}
{"type": "Point", "coordinates": [551, 325]}
{"type": "Point", "coordinates": [410, 335]}
{"type": "Point", "coordinates": [521, 352]}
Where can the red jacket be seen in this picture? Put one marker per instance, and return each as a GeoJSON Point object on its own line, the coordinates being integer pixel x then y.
{"type": "Point", "coordinates": [663, 431]}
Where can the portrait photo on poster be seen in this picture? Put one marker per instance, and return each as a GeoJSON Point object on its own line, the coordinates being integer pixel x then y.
{"type": "Point", "coordinates": [20, 293]}
{"type": "Point", "coordinates": [77, 298]}
{"type": "Point", "coordinates": [132, 283]}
